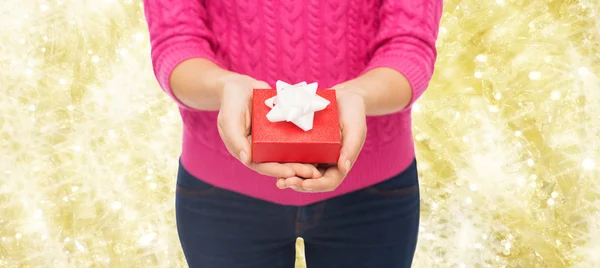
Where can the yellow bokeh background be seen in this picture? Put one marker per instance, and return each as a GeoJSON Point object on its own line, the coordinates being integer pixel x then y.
{"type": "Point", "coordinates": [508, 138]}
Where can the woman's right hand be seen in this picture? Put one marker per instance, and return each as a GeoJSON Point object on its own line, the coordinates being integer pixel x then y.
{"type": "Point", "coordinates": [234, 124]}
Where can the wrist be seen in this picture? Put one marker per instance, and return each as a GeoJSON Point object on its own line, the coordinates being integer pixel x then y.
{"type": "Point", "coordinates": [384, 91]}
{"type": "Point", "coordinates": [354, 87]}
{"type": "Point", "coordinates": [241, 84]}
{"type": "Point", "coordinates": [197, 83]}
{"type": "Point", "coordinates": [222, 81]}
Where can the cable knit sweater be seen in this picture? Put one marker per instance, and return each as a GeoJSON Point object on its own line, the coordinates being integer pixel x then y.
{"type": "Point", "coordinates": [324, 41]}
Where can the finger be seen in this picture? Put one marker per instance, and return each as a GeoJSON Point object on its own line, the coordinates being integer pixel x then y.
{"type": "Point", "coordinates": [281, 183]}
{"type": "Point", "coordinates": [273, 169]}
{"type": "Point", "coordinates": [339, 86]}
{"type": "Point", "coordinates": [236, 148]}
{"type": "Point", "coordinates": [234, 118]}
{"type": "Point", "coordinates": [260, 85]}
{"type": "Point", "coordinates": [305, 171]}
{"type": "Point", "coordinates": [332, 178]}
{"type": "Point", "coordinates": [233, 135]}
{"type": "Point", "coordinates": [232, 124]}
{"type": "Point", "coordinates": [353, 125]}
{"type": "Point", "coordinates": [295, 183]}
{"type": "Point", "coordinates": [285, 170]}
{"type": "Point", "coordinates": [322, 171]}
{"type": "Point", "coordinates": [322, 168]}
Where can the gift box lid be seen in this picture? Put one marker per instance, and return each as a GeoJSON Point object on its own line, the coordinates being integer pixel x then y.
{"type": "Point", "coordinates": [326, 128]}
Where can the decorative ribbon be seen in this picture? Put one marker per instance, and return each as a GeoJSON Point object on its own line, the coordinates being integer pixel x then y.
{"type": "Point", "coordinates": [296, 104]}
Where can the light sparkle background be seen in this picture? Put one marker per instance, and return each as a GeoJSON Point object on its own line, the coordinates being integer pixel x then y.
{"type": "Point", "coordinates": [508, 138]}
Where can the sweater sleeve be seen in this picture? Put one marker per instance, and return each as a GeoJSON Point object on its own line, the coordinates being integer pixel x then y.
{"type": "Point", "coordinates": [178, 32]}
{"type": "Point", "coordinates": [405, 42]}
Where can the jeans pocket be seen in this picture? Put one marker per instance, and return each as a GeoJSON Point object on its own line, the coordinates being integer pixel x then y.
{"type": "Point", "coordinates": [403, 184]}
{"type": "Point", "coordinates": [188, 185]}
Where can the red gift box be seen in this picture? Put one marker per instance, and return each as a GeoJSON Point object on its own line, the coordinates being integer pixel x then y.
{"type": "Point", "coordinates": [285, 142]}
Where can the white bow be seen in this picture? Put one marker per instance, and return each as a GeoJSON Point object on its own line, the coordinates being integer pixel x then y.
{"type": "Point", "coordinates": [296, 103]}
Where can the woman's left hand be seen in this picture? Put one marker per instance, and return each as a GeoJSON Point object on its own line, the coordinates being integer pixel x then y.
{"type": "Point", "coordinates": [353, 126]}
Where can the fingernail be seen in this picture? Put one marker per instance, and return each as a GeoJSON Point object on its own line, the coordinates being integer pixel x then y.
{"type": "Point", "coordinates": [348, 165]}
{"type": "Point", "coordinates": [243, 157]}
{"type": "Point", "coordinates": [308, 189]}
{"type": "Point", "coordinates": [294, 187]}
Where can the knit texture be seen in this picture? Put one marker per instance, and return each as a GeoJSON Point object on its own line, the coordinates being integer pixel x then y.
{"type": "Point", "coordinates": [327, 42]}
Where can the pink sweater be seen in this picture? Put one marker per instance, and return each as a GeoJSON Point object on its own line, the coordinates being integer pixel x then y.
{"type": "Point", "coordinates": [296, 40]}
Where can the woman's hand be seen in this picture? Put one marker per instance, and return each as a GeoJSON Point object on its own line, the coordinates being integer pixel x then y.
{"type": "Point", "coordinates": [352, 117]}
{"type": "Point", "coordinates": [234, 123]}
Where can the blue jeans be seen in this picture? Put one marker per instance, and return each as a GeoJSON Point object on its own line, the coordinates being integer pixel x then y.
{"type": "Point", "coordinates": [375, 227]}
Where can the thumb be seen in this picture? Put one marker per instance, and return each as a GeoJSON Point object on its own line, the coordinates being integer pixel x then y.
{"type": "Point", "coordinates": [353, 125]}
{"type": "Point", "coordinates": [260, 85]}
{"type": "Point", "coordinates": [233, 133]}
{"type": "Point", "coordinates": [233, 124]}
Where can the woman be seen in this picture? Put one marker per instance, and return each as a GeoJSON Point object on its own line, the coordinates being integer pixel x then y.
{"type": "Point", "coordinates": [378, 55]}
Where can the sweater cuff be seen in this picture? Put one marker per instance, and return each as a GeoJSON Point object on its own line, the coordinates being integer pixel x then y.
{"type": "Point", "coordinates": [173, 56]}
{"type": "Point", "coordinates": [415, 71]}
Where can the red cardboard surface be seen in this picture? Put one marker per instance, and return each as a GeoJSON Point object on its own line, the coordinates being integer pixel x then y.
{"type": "Point", "coordinates": [284, 142]}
